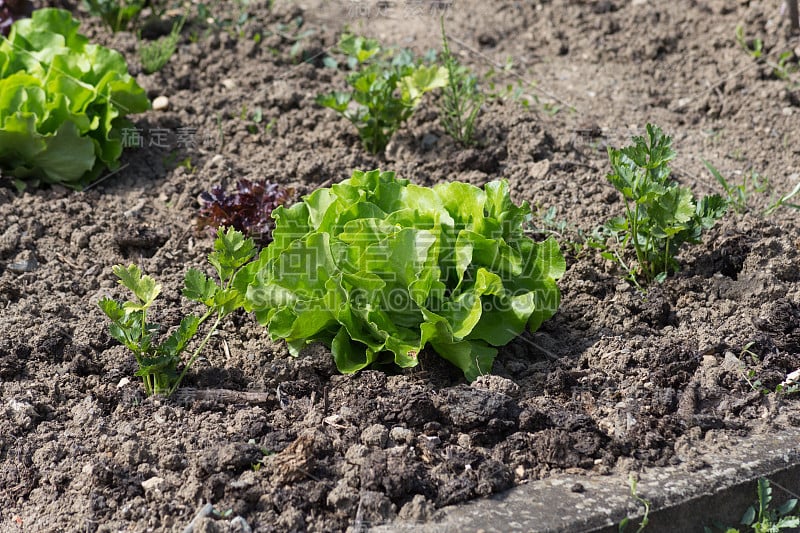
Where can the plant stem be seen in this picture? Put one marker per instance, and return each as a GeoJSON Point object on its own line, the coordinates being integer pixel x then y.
{"type": "Point", "coordinates": [196, 353]}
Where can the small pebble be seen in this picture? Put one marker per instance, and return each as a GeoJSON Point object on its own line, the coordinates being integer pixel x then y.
{"type": "Point", "coordinates": [432, 440]}
{"type": "Point", "coordinates": [24, 262]}
{"type": "Point", "coordinates": [577, 487]}
{"type": "Point", "coordinates": [402, 435]}
{"type": "Point", "coordinates": [429, 141]}
{"type": "Point", "coordinates": [152, 483]}
{"type": "Point", "coordinates": [161, 103]}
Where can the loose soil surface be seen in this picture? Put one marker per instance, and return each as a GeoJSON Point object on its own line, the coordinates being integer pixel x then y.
{"type": "Point", "coordinates": [617, 380]}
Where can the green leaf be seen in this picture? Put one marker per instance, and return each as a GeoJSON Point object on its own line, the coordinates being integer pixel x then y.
{"type": "Point", "coordinates": [176, 343]}
{"type": "Point", "coordinates": [227, 300]}
{"type": "Point", "coordinates": [338, 101]}
{"type": "Point", "coordinates": [474, 358]}
{"type": "Point", "coordinates": [717, 176]}
{"type": "Point", "coordinates": [422, 80]}
{"type": "Point", "coordinates": [199, 288]}
{"type": "Point", "coordinates": [359, 48]}
{"type": "Point", "coordinates": [112, 308]}
{"type": "Point", "coordinates": [787, 507]}
{"type": "Point", "coordinates": [710, 209]}
{"type": "Point", "coordinates": [231, 251]}
{"type": "Point", "coordinates": [749, 516]}
{"type": "Point", "coordinates": [144, 288]}
{"type": "Point", "coordinates": [788, 522]}
{"type": "Point", "coordinates": [764, 496]}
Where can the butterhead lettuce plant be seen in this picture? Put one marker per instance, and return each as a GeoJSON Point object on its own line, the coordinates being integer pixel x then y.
{"type": "Point", "coordinates": [378, 269]}
{"type": "Point", "coordinates": [63, 102]}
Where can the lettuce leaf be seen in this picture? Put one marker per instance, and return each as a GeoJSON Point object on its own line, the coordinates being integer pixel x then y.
{"type": "Point", "coordinates": [63, 102]}
{"type": "Point", "coordinates": [379, 269]}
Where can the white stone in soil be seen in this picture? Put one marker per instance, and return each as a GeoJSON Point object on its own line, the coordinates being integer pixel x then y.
{"type": "Point", "coordinates": [161, 103]}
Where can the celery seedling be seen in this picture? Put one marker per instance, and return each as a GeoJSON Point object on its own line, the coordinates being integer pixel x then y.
{"type": "Point", "coordinates": [384, 94]}
{"type": "Point", "coordinates": [158, 362]}
{"type": "Point", "coordinates": [659, 214]}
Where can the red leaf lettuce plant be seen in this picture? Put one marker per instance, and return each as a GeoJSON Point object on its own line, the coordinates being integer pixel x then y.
{"type": "Point", "coordinates": [247, 210]}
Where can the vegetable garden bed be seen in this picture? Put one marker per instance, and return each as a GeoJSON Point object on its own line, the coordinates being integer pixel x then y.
{"type": "Point", "coordinates": [622, 377]}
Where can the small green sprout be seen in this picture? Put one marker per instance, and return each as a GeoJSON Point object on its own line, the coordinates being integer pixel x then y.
{"type": "Point", "coordinates": [158, 363]}
{"type": "Point", "coordinates": [646, 503]}
{"type": "Point", "coordinates": [754, 47]}
{"type": "Point", "coordinates": [155, 55]}
{"type": "Point", "coordinates": [759, 518]}
{"type": "Point", "coordinates": [738, 195]}
{"type": "Point", "coordinates": [461, 99]}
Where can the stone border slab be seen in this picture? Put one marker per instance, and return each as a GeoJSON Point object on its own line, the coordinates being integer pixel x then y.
{"type": "Point", "coordinates": [681, 499]}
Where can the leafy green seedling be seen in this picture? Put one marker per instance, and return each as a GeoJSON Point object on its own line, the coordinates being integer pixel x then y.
{"type": "Point", "coordinates": [738, 195]}
{"type": "Point", "coordinates": [760, 518]}
{"type": "Point", "coordinates": [461, 100]}
{"type": "Point", "coordinates": [117, 14]}
{"type": "Point", "coordinates": [753, 47]}
{"type": "Point", "coordinates": [785, 67]}
{"type": "Point", "coordinates": [158, 363]}
{"type": "Point", "coordinates": [784, 201]}
{"type": "Point", "coordinates": [660, 216]}
{"type": "Point", "coordinates": [646, 503]}
{"type": "Point", "coordinates": [384, 93]}
{"type": "Point", "coordinates": [64, 103]}
{"type": "Point", "coordinates": [155, 55]}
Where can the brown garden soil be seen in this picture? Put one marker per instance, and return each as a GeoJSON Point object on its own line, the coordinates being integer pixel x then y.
{"type": "Point", "coordinates": [617, 380]}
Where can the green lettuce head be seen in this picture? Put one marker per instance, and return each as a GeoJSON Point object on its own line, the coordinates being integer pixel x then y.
{"type": "Point", "coordinates": [378, 268]}
{"type": "Point", "coordinates": [63, 102]}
